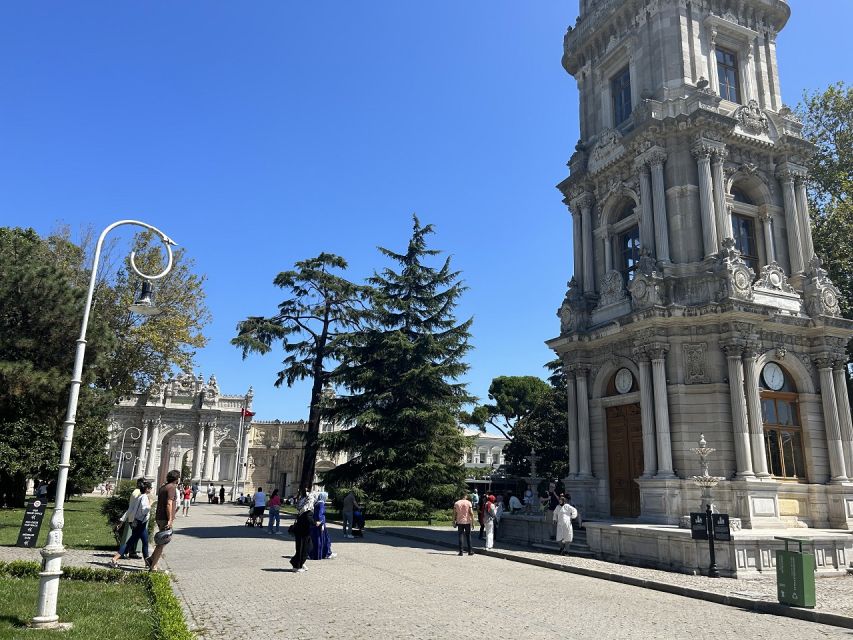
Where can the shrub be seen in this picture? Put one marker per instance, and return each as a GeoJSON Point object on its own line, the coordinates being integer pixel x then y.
{"type": "Point", "coordinates": [408, 509]}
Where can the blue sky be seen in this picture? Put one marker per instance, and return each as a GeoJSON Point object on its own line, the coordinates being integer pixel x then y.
{"type": "Point", "coordinates": [258, 134]}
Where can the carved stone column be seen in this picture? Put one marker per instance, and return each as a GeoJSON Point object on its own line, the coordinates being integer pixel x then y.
{"type": "Point", "coordinates": [198, 452]}
{"type": "Point", "coordinates": [143, 445]}
{"type": "Point", "coordinates": [804, 218]}
{"type": "Point", "coordinates": [585, 202]}
{"type": "Point", "coordinates": [702, 153]}
{"type": "Point", "coordinates": [573, 422]}
{"type": "Point", "coordinates": [724, 220]}
{"type": "Point", "coordinates": [647, 414]}
{"type": "Point", "coordinates": [208, 458]}
{"type": "Point", "coordinates": [795, 246]}
{"type": "Point", "coordinates": [245, 459]}
{"type": "Point", "coordinates": [657, 352]}
{"type": "Point", "coordinates": [839, 375]}
{"type": "Point", "coordinates": [832, 423]}
{"type": "Point", "coordinates": [647, 227]}
{"type": "Point", "coordinates": [740, 425]}
{"type": "Point", "coordinates": [756, 420]}
{"type": "Point", "coordinates": [608, 250]}
{"type": "Point", "coordinates": [584, 442]}
{"type": "Point", "coordinates": [152, 450]}
{"type": "Point", "coordinates": [767, 226]}
{"type": "Point", "coordinates": [656, 159]}
{"type": "Point", "coordinates": [577, 243]}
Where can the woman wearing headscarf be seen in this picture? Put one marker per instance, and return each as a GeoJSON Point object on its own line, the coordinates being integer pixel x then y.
{"type": "Point", "coordinates": [563, 516]}
{"type": "Point", "coordinates": [302, 532]}
{"type": "Point", "coordinates": [137, 517]}
{"type": "Point", "coordinates": [321, 548]}
{"type": "Point", "coordinates": [490, 512]}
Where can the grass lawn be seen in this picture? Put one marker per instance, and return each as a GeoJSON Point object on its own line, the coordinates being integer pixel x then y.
{"type": "Point", "coordinates": [99, 611]}
{"type": "Point", "coordinates": [85, 527]}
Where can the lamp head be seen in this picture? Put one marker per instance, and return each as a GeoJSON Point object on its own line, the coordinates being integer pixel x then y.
{"type": "Point", "coordinates": [144, 304]}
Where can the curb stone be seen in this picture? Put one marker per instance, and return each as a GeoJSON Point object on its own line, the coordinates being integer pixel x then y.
{"type": "Point", "coordinates": [759, 606]}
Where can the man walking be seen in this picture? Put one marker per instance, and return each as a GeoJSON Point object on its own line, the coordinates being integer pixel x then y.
{"type": "Point", "coordinates": [167, 501]}
{"type": "Point", "coordinates": [222, 494]}
{"type": "Point", "coordinates": [463, 516]}
{"type": "Point", "coordinates": [350, 505]}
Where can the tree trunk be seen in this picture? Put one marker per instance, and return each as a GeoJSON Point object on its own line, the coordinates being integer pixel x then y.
{"type": "Point", "coordinates": [309, 462]}
{"type": "Point", "coordinates": [13, 489]}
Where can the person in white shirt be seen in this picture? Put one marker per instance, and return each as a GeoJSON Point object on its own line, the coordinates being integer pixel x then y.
{"type": "Point", "coordinates": [260, 499]}
{"type": "Point", "coordinates": [137, 515]}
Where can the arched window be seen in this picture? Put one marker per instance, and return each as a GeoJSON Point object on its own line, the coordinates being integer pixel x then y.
{"type": "Point", "coordinates": [743, 225]}
{"type": "Point", "coordinates": [739, 195]}
{"type": "Point", "coordinates": [627, 244]}
{"type": "Point", "coordinates": [783, 433]}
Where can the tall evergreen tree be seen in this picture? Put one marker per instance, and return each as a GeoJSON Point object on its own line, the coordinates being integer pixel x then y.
{"type": "Point", "coordinates": [321, 305]}
{"type": "Point", "coordinates": [402, 372]}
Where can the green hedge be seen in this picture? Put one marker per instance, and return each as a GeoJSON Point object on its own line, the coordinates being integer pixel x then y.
{"type": "Point", "coordinates": [169, 623]}
{"type": "Point", "coordinates": [409, 509]}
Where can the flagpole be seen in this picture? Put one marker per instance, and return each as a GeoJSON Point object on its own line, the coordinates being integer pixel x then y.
{"type": "Point", "coordinates": [239, 453]}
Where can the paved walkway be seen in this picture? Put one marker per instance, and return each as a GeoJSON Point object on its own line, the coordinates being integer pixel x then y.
{"type": "Point", "coordinates": [234, 583]}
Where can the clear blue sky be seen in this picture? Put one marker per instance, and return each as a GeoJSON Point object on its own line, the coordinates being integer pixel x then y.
{"type": "Point", "coordinates": [257, 134]}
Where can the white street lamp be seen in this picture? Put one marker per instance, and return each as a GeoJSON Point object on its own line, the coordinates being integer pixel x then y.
{"type": "Point", "coordinates": [53, 552]}
{"type": "Point", "coordinates": [125, 455]}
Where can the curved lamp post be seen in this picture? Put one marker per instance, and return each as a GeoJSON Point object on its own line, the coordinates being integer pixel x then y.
{"type": "Point", "coordinates": [54, 550]}
{"type": "Point", "coordinates": [126, 455]}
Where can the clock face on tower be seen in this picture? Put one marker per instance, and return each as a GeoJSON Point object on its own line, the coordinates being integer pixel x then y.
{"type": "Point", "coordinates": [773, 376]}
{"type": "Point", "coordinates": [624, 381]}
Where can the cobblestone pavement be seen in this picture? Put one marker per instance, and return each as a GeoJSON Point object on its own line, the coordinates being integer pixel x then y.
{"type": "Point", "coordinates": [234, 583]}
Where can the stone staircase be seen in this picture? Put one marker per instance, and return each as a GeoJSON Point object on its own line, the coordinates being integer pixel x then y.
{"type": "Point", "coordinates": [579, 546]}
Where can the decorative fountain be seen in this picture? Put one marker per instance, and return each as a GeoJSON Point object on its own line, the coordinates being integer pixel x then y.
{"type": "Point", "coordinates": [706, 480]}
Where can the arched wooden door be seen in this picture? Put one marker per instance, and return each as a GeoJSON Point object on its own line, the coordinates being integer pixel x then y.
{"type": "Point", "coordinates": [625, 459]}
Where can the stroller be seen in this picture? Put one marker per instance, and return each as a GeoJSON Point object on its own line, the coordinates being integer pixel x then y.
{"type": "Point", "coordinates": [358, 523]}
{"type": "Point", "coordinates": [256, 516]}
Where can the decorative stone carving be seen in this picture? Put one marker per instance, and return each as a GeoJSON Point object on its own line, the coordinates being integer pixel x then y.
{"type": "Point", "coordinates": [735, 276]}
{"type": "Point", "coordinates": [821, 295]}
{"type": "Point", "coordinates": [781, 351]}
{"type": "Point", "coordinates": [695, 363]}
{"type": "Point", "coordinates": [612, 289]}
{"type": "Point", "coordinates": [773, 278]}
{"type": "Point", "coordinates": [752, 119]}
{"type": "Point", "coordinates": [608, 149]}
{"type": "Point", "coordinates": [573, 311]}
{"type": "Point", "coordinates": [647, 287]}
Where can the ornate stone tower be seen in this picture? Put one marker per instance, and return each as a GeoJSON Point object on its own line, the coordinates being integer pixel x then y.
{"type": "Point", "coordinates": [697, 304]}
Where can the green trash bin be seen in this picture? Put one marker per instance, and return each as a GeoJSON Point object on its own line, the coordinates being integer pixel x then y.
{"type": "Point", "coordinates": [795, 575]}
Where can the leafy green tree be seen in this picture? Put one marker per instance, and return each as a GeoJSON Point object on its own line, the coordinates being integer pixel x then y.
{"type": "Point", "coordinates": [402, 373]}
{"type": "Point", "coordinates": [543, 428]}
{"type": "Point", "coordinates": [40, 313]}
{"type": "Point", "coordinates": [320, 306]}
{"type": "Point", "coordinates": [515, 397]}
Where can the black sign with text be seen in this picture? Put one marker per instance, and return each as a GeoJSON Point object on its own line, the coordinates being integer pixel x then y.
{"type": "Point", "coordinates": [33, 516]}
{"type": "Point", "coordinates": [722, 532]}
{"type": "Point", "coordinates": [699, 526]}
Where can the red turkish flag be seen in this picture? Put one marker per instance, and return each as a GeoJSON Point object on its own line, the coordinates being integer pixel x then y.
{"type": "Point", "coordinates": [246, 413]}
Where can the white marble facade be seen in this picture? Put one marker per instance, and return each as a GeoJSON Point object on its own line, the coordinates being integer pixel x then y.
{"type": "Point", "coordinates": [697, 304]}
{"type": "Point", "coordinates": [184, 420]}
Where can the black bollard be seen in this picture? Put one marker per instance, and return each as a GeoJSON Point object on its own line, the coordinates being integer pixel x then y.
{"type": "Point", "coordinates": [713, 572]}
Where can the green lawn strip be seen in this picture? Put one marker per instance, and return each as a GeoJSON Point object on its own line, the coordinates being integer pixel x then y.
{"type": "Point", "coordinates": [101, 589]}
{"type": "Point", "coordinates": [85, 527]}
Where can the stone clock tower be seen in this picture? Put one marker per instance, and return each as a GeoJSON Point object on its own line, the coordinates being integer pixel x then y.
{"type": "Point", "coordinates": [697, 304]}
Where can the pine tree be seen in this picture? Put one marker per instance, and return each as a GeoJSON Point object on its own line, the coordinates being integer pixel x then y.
{"type": "Point", "coordinates": [402, 373]}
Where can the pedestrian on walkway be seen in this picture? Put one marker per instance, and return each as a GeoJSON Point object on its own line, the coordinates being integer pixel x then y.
{"type": "Point", "coordinates": [301, 530]}
{"type": "Point", "coordinates": [321, 543]}
{"type": "Point", "coordinates": [167, 509]}
{"type": "Point", "coordinates": [479, 507]}
{"type": "Point", "coordinates": [463, 517]}
{"type": "Point", "coordinates": [195, 492]}
{"type": "Point", "coordinates": [490, 513]}
{"type": "Point", "coordinates": [222, 494]}
{"type": "Point", "coordinates": [188, 496]}
{"type": "Point", "coordinates": [211, 491]}
{"type": "Point", "coordinates": [259, 503]}
{"type": "Point", "coordinates": [349, 507]}
{"type": "Point", "coordinates": [275, 513]}
{"type": "Point", "coordinates": [563, 516]}
{"type": "Point", "coordinates": [137, 515]}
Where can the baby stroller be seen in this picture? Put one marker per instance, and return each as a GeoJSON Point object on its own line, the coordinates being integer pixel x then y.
{"type": "Point", "coordinates": [256, 516]}
{"type": "Point", "coordinates": [358, 523]}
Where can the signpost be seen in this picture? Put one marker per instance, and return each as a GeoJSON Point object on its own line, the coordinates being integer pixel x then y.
{"type": "Point", "coordinates": [710, 526]}
{"type": "Point", "coordinates": [33, 516]}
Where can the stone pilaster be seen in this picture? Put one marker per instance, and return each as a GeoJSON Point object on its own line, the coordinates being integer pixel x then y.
{"type": "Point", "coordinates": [767, 227]}
{"type": "Point", "coordinates": [724, 219]}
{"type": "Point", "coordinates": [577, 243]}
{"type": "Point", "coordinates": [657, 352]}
{"type": "Point", "coordinates": [585, 203]}
{"type": "Point", "coordinates": [584, 440]}
{"type": "Point", "coordinates": [647, 413]}
{"type": "Point", "coordinates": [839, 375]}
{"type": "Point", "coordinates": [756, 420]}
{"type": "Point", "coordinates": [832, 422]}
{"type": "Point", "coordinates": [702, 153]}
{"type": "Point", "coordinates": [647, 227]}
{"type": "Point", "coordinates": [792, 222]}
{"type": "Point", "coordinates": [208, 458]}
{"type": "Point", "coordinates": [740, 425]}
{"type": "Point", "coordinates": [150, 470]}
{"type": "Point", "coordinates": [804, 217]}
{"type": "Point", "coordinates": [198, 452]}
{"type": "Point", "coordinates": [143, 447]}
{"type": "Point", "coordinates": [572, 407]}
{"type": "Point", "coordinates": [657, 157]}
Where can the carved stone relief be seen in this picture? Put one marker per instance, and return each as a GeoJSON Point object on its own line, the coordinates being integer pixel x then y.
{"type": "Point", "coordinates": [752, 119]}
{"type": "Point", "coordinates": [821, 295]}
{"type": "Point", "coordinates": [612, 289]}
{"type": "Point", "coordinates": [695, 365]}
